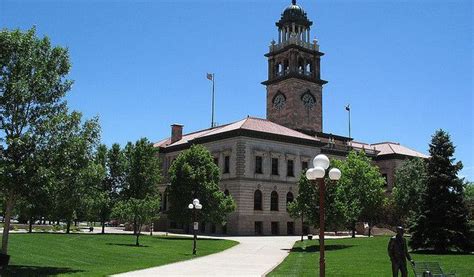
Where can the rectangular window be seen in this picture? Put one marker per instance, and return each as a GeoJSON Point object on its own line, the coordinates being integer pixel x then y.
{"type": "Point", "coordinates": [275, 228]}
{"type": "Point", "coordinates": [258, 228]}
{"type": "Point", "coordinates": [226, 164]}
{"type": "Point", "coordinates": [289, 168]}
{"type": "Point", "coordinates": [274, 166]}
{"type": "Point", "coordinates": [258, 164]}
{"type": "Point", "coordinates": [304, 165]}
{"type": "Point", "coordinates": [216, 161]}
{"type": "Point", "coordinates": [290, 228]}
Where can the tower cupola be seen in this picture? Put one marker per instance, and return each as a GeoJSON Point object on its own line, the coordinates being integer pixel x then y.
{"type": "Point", "coordinates": [294, 84]}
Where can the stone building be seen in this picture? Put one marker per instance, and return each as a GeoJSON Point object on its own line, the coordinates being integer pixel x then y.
{"type": "Point", "coordinates": [261, 159]}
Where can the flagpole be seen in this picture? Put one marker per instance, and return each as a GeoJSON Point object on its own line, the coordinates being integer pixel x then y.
{"type": "Point", "coordinates": [349, 122]}
{"type": "Point", "coordinates": [212, 118]}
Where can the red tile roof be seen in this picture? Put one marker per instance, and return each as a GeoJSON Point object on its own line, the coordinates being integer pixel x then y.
{"type": "Point", "coordinates": [249, 123]}
{"type": "Point", "coordinates": [387, 148]}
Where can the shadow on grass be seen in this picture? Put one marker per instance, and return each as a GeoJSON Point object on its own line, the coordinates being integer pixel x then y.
{"type": "Point", "coordinates": [432, 252]}
{"type": "Point", "coordinates": [180, 238]}
{"type": "Point", "coordinates": [315, 248]}
{"type": "Point", "coordinates": [127, 244]}
{"type": "Point", "coordinates": [27, 271]}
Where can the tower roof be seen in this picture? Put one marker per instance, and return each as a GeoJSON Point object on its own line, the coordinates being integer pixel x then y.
{"type": "Point", "coordinates": [294, 14]}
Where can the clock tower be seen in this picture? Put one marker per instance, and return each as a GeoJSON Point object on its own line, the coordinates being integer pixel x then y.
{"type": "Point", "coordinates": [294, 85]}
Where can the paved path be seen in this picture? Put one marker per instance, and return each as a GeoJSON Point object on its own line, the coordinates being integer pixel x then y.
{"type": "Point", "coordinates": [254, 256]}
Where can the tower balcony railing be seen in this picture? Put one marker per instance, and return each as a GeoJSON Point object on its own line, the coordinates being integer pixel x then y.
{"type": "Point", "coordinates": [294, 41]}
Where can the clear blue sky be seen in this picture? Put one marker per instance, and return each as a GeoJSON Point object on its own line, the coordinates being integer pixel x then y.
{"type": "Point", "coordinates": [404, 66]}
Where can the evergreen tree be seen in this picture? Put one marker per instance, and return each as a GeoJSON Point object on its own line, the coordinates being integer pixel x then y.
{"type": "Point", "coordinates": [442, 223]}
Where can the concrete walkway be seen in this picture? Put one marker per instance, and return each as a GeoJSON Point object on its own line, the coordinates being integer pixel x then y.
{"type": "Point", "coordinates": [254, 256]}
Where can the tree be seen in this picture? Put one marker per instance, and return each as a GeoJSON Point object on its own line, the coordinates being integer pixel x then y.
{"type": "Point", "coordinates": [142, 175]}
{"type": "Point", "coordinates": [305, 205]}
{"type": "Point", "coordinates": [32, 88]}
{"type": "Point", "coordinates": [71, 147]}
{"type": "Point", "coordinates": [140, 211]}
{"type": "Point", "coordinates": [410, 185]}
{"type": "Point", "coordinates": [194, 174]}
{"type": "Point", "coordinates": [469, 195]}
{"type": "Point", "coordinates": [360, 190]}
{"type": "Point", "coordinates": [442, 221]}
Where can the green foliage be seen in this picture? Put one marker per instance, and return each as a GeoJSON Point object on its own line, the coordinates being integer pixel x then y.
{"type": "Point", "coordinates": [410, 185]}
{"type": "Point", "coordinates": [136, 173]}
{"type": "Point", "coordinates": [469, 196]}
{"type": "Point", "coordinates": [359, 194]}
{"type": "Point", "coordinates": [71, 159]}
{"type": "Point", "coordinates": [193, 174]}
{"type": "Point", "coordinates": [139, 211]}
{"type": "Point", "coordinates": [142, 171]}
{"type": "Point", "coordinates": [306, 203]}
{"type": "Point", "coordinates": [442, 221]}
{"type": "Point", "coordinates": [32, 88]}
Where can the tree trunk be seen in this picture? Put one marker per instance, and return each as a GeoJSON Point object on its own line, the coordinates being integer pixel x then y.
{"type": "Point", "coordinates": [103, 226]}
{"type": "Point", "coordinates": [68, 226]}
{"type": "Point", "coordinates": [30, 225]}
{"type": "Point", "coordinates": [6, 226]}
{"type": "Point", "coordinates": [370, 230]}
{"type": "Point", "coordinates": [302, 228]}
{"type": "Point", "coordinates": [353, 230]}
{"type": "Point", "coordinates": [135, 226]}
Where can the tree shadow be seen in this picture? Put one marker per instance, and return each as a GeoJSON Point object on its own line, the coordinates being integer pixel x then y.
{"type": "Point", "coordinates": [33, 271]}
{"type": "Point", "coordinates": [315, 248]}
{"type": "Point", "coordinates": [182, 238]}
{"type": "Point", "coordinates": [433, 252]}
{"type": "Point", "coordinates": [127, 244]}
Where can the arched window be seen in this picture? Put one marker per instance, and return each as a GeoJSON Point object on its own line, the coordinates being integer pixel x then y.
{"type": "Point", "coordinates": [274, 201]}
{"type": "Point", "coordinates": [226, 192]}
{"type": "Point", "coordinates": [289, 199]}
{"type": "Point", "coordinates": [257, 200]}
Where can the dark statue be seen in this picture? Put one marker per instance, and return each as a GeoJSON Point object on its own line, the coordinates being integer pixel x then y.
{"type": "Point", "coordinates": [398, 252]}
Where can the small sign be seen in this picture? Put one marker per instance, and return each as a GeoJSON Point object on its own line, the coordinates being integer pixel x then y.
{"type": "Point", "coordinates": [196, 226]}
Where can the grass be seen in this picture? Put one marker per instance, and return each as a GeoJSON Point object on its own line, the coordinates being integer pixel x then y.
{"type": "Point", "coordinates": [360, 257]}
{"type": "Point", "coordinates": [98, 255]}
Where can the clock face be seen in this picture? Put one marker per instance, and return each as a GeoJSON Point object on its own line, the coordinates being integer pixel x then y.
{"type": "Point", "coordinates": [308, 101]}
{"type": "Point", "coordinates": [279, 101]}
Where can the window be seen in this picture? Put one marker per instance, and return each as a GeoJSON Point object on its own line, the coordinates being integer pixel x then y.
{"type": "Point", "coordinates": [258, 164]}
{"type": "Point", "coordinates": [258, 228]}
{"type": "Point", "coordinates": [289, 168]}
{"type": "Point", "coordinates": [226, 164]}
{"type": "Point", "coordinates": [290, 228]}
{"type": "Point", "coordinates": [289, 199]}
{"type": "Point", "coordinates": [257, 200]}
{"type": "Point", "coordinates": [275, 228]}
{"type": "Point", "coordinates": [216, 161]}
{"type": "Point", "coordinates": [274, 201]}
{"type": "Point", "coordinates": [274, 166]}
{"type": "Point", "coordinates": [304, 165]}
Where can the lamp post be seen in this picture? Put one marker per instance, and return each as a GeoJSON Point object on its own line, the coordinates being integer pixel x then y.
{"type": "Point", "coordinates": [195, 206]}
{"type": "Point", "coordinates": [318, 172]}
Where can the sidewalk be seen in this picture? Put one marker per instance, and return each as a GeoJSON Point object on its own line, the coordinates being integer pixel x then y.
{"type": "Point", "coordinates": [254, 256]}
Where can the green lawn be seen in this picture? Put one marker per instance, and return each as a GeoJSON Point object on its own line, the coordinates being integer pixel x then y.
{"type": "Point", "coordinates": [359, 257]}
{"type": "Point", "coordinates": [98, 255]}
